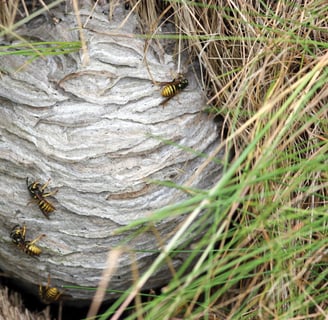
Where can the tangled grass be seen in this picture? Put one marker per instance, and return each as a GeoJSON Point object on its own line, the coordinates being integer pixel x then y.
{"type": "Point", "coordinates": [264, 70]}
{"type": "Point", "coordinates": [262, 252]}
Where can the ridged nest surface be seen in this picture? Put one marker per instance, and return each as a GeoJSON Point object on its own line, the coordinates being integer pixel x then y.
{"type": "Point", "coordinates": [97, 130]}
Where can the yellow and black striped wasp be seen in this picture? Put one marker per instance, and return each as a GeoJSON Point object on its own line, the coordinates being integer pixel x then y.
{"type": "Point", "coordinates": [170, 89]}
{"type": "Point", "coordinates": [17, 235]}
{"type": "Point", "coordinates": [49, 294]}
{"type": "Point", "coordinates": [37, 192]}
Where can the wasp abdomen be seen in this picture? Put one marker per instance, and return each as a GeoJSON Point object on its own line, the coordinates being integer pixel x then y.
{"type": "Point", "coordinates": [169, 90]}
{"type": "Point", "coordinates": [172, 88]}
{"type": "Point", "coordinates": [52, 294]}
{"type": "Point", "coordinates": [31, 249]}
{"type": "Point", "coordinates": [49, 294]}
{"type": "Point", "coordinates": [46, 207]}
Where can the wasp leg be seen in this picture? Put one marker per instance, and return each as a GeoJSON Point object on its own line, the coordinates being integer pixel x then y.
{"type": "Point", "coordinates": [45, 185]}
{"type": "Point", "coordinates": [163, 103]}
{"type": "Point", "coordinates": [36, 239]}
{"type": "Point", "coordinates": [31, 201]}
{"type": "Point", "coordinates": [48, 284]}
{"type": "Point", "coordinates": [50, 193]}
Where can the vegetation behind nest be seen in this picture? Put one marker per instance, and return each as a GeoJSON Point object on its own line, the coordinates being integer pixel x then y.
{"type": "Point", "coordinates": [264, 256]}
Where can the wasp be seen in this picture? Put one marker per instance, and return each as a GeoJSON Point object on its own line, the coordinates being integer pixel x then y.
{"type": "Point", "coordinates": [17, 235]}
{"type": "Point", "coordinates": [170, 89]}
{"type": "Point", "coordinates": [37, 192]}
{"type": "Point", "coordinates": [49, 294]}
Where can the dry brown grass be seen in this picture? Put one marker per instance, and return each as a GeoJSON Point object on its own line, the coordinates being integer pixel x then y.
{"type": "Point", "coordinates": [252, 57]}
{"type": "Point", "coordinates": [12, 308]}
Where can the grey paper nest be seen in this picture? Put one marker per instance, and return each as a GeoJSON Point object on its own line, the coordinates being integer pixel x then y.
{"type": "Point", "coordinates": [99, 133]}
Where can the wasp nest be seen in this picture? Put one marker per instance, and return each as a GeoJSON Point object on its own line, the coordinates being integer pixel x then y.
{"type": "Point", "coordinates": [93, 123]}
